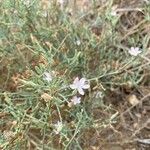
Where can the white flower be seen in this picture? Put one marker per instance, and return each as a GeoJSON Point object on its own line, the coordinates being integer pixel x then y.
{"type": "Point", "coordinates": [114, 11]}
{"type": "Point", "coordinates": [58, 127]}
{"type": "Point", "coordinates": [61, 2]}
{"type": "Point", "coordinates": [76, 100]}
{"type": "Point", "coordinates": [78, 42]}
{"type": "Point", "coordinates": [47, 76]}
{"type": "Point", "coordinates": [134, 51]}
{"type": "Point", "coordinates": [79, 85]}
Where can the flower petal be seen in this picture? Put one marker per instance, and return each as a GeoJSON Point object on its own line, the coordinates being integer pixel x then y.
{"type": "Point", "coordinates": [139, 52]}
{"type": "Point", "coordinates": [86, 86]}
{"type": "Point", "coordinates": [132, 49]}
{"type": "Point", "coordinates": [73, 86]}
{"type": "Point", "coordinates": [82, 81]}
{"type": "Point", "coordinates": [80, 90]}
{"type": "Point", "coordinates": [76, 100]}
{"type": "Point", "coordinates": [76, 80]}
{"type": "Point", "coordinates": [136, 49]}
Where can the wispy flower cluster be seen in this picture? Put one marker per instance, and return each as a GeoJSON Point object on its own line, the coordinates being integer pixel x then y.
{"type": "Point", "coordinates": [80, 85]}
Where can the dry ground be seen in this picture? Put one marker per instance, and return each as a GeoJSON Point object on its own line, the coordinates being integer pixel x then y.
{"type": "Point", "coordinates": [130, 104]}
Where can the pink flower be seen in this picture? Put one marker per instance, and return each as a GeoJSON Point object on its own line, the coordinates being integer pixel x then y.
{"type": "Point", "coordinates": [80, 85]}
{"type": "Point", "coordinates": [76, 100]}
{"type": "Point", "coordinates": [134, 51]}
